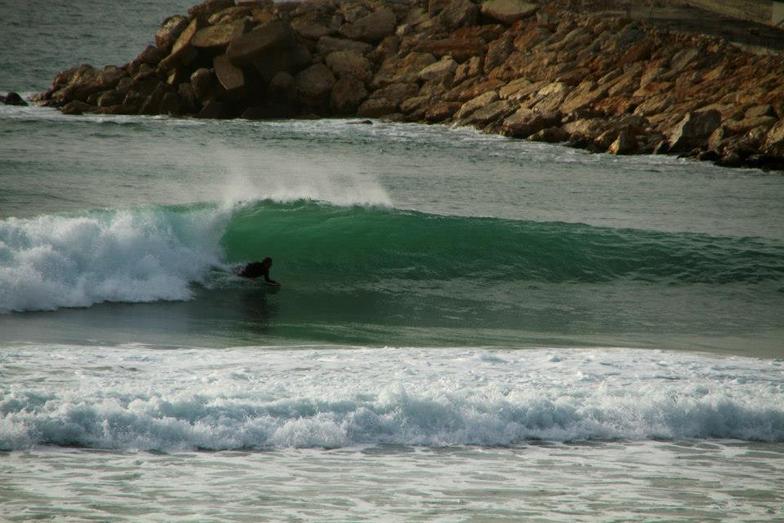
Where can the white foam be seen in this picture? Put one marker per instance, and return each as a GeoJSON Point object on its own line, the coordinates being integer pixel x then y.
{"type": "Point", "coordinates": [133, 256]}
{"type": "Point", "coordinates": [132, 398]}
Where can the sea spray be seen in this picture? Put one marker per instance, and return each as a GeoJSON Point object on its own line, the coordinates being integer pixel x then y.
{"type": "Point", "coordinates": [137, 255]}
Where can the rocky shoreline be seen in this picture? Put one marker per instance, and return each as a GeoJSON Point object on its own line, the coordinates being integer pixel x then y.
{"type": "Point", "coordinates": [548, 72]}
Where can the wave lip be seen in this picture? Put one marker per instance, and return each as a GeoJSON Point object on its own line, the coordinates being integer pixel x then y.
{"type": "Point", "coordinates": [129, 256]}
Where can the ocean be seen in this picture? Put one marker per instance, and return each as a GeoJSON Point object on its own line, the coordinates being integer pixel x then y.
{"type": "Point", "coordinates": [469, 328]}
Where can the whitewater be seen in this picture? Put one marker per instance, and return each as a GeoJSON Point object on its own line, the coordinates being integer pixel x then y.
{"type": "Point", "coordinates": [469, 328]}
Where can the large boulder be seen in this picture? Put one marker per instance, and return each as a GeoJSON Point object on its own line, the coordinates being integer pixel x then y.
{"type": "Point", "coordinates": [347, 95]}
{"type": "Point", "coordinates": [259, 43]}
{"type": "Point", "coordinates": [694, 130]}
{"type": "Point", "coordinates": [204, 83]}
{"type": "Point", "coordinates": [442, 71]}
{"type": "Point", "coordinates": [402, 70]}
{"type": "Point", "coordinates": [208, 8]}
{"type": "Point", "coordinates": [458, 13]}
{"type": "Point", "coordinates": [349, 63]}
{"type": "Point", "coordinates": [328, 44]}
{"type": "Point", "coordinates": [170, 30]}
{"type": "Point", "coordinates": [231, 77]}
{"type": "Point", "coordinates": [525, 122]}
{"type": "Point", "coordinates": [314, 85]}
{"type": "Point", "coordinates": [372, 27]}
{"type": "Point", "coordinates": [508, 11]}
{"type": "Point", "coordinates": [774, 141]}
{"type": "Point", "coordinates": [219, 36]}
{"type": "Point", "coordinates": [12, 98]}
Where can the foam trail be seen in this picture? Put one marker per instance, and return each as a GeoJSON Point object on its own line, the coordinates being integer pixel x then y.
{"type": "Point", "coordinates": [134, 256]}
{"type": "Point", "coordinates": [252, 398]}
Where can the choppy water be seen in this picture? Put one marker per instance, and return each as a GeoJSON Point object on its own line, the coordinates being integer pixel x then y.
{"type": "Point", "coordinates": [469, 327]}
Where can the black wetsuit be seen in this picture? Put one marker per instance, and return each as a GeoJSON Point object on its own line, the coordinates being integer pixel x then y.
{"type": "Point", "coordinates": [256, 270]}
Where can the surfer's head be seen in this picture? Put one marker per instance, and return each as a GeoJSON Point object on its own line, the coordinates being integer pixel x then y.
{"type": "Point", "coordinates": [267, 262]}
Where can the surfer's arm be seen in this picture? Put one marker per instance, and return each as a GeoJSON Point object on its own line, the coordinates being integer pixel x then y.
{"type": "Point", "coordinates": [270, 281]}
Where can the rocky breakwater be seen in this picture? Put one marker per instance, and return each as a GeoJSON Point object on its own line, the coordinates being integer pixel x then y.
{"type": "Point", "coordinates": [541, 72]}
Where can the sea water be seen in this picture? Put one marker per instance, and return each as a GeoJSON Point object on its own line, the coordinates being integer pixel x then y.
{"type": "Point", "coordinates": [469, 327]}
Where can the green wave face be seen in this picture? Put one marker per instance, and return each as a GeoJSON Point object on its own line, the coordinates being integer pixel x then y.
{"type": "Point", "coordinates": [355, 245]}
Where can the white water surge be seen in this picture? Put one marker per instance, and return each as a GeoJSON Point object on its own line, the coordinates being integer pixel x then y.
{"type": "Point", "coordinates": [143, 398]}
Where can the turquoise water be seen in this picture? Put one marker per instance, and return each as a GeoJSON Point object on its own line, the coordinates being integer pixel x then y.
{"type": "Point", "coordinates": [547, 334]}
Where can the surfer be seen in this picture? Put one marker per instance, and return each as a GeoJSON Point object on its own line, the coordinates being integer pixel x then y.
{"type": "Point", "coordinates": [256, 269]}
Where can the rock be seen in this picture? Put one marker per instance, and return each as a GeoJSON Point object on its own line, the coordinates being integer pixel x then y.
{"type": "Point", "coordinates": [460, 49]}
{"type": "Point", "coordinates": [347, 95]}
{"type": "Point", "coordinates": [749, 123]}
{"type": "Point", "coordinates": [231, 77]}
{"type": "Point", "coordinates": [110, 98]}
{"type": "Point", "coordinates": [694, 130]}
{"type": "Point", "coordinates": [470, 69]}
{"type": "Point", "coordinates": [219, 36]}
{"type": "Point", "coordinates": [441, 72]}
{"type": "Point", "coordinates": [281, 88]}
{"type": "Point", "coordinates": [328, 44]}
{"type": "Point", "coordinates": [550, 135]}
{"type": "Point", "coordinates": [208, 8]}
{"type": "Point", "coordinates": [402, 70]}
{"type": "Point", "coordinates": [376, 108]}
{"type": "Point", "coordinates": [548, 99]}
{"type": "Point", "coordinates": [308, 28]}
{"type": "Point", "coordinates": [488, 114]}
{"type": "Point", "coordinates": [214, 110]}
{"type": "Point", "coordinates": [12, 98]}
{"type": "Point", "coordinates": [475, 104]}
{"type": "Point", "coordinates": [508, 11]}
{"type": "Point", "coordinates": [396, 93]}
{"type": "Point", "coordinates": [76, 107]}
{"type": "Point", "coordinates": [442, 111]}
{"type": "Point", "coordinates": [758, 111]}
{"type": "Point", "coordinates": [170, 104]}
{"type": "Point", "coordinates": [525, 122]}
{"type": "Point", "coordinates": [290, 59]}
{"type": "Point", "coordinates": [349, 63]}
{"type": "Point", "coordinates": [260, 43]}
{"type": "Point", "coordinates": [188, 98]}
{"type": "Point", "coordinates": [372, 27]}
{"type": "Point", "coordinates": [204, 83]}
{"type": "Point", "coordinates": [152, 55]}
{"type": "Point", "coordinates": [183, 43]}
{"type": "Point", "coordinates": [774, 141]}
{"type": "Point", "coordinates": [230, 14]}
{"type": "Point", "coordinates": [170, 30]}
{"type": "Point", "coordinates": [626, 143]}
{"type": "Point", "coordinates": [314, 85]}
{"type": "Point", "coordinates": [458, 13]}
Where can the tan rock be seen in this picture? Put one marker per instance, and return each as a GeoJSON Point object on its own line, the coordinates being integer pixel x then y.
{"type": "Point", "coordinates": [328, 44]}
{"type": "Point", "coordinates": [348, 93]}
{"type": "Point", "coordinates": [694, 130]}
{"type": "Point", "coordinates": [460, 49]}
{"type": "Point", "coordinates": [183, 43]}
{"type": "Point", "coordinates": [170, 30]}
{"type": "Point", "coordinates": [548, 98]}
{"type": "Point", "coordinates": [550, 135]}
{"type": "Point", "coordinates": [458, 13]}
{"type": "Point", "coordinates": [626, 143]}
{"type": "Point", "coordinates": [314, 84]}
{"type": "Point", "coordinates": [204, 83]}
{"type": "Point", "coordinates": [372, 27]}
{"type": "Point", "coordinates": [349, 63]}
{"type": "Point", "coordinates": [441, 72]}
{"type": "Point", "coordinates": [219, 36]}
{"type": "Point", "coordinates": [260, 43]}
{"type": "Point", "coordinates": [774, 141]}
{"type": "Point", "coordinates": [229, 76]}
{"type": "Point", "coordinates": [476, 103]}
{"type": "Point", "coordinates": [508, 11]}
{"type": "Point", "coordinates": [525, 122]}
{"type": "Point", "coordinates": [487, 114]}
{"type": "Point", "coordinates": [209, 7]}
{"type": "Point", "coordinates": [402, 70]}
{"type": "Point", "coordinates": [747, 124]}
{"type": "Point", "coordinates": [442, 111]}
{"type": "Point", "coordinates": [376, 108]}
{"type": "Point", "coordinates": [396, 93]}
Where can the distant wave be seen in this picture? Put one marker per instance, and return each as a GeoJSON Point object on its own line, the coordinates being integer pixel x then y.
{"type": "Point", "coordinates": [150, 254]}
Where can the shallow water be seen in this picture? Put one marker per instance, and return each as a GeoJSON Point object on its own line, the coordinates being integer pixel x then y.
{"type": "Point", "coordinates": [469, 328]}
